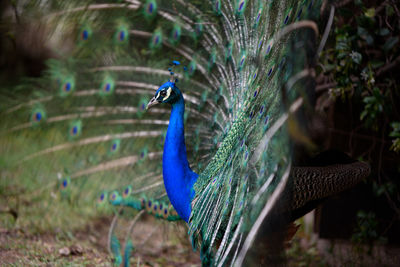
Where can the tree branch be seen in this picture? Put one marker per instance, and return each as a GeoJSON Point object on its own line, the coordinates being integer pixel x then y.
{"type": "Point", "coordinates": [388, 66]}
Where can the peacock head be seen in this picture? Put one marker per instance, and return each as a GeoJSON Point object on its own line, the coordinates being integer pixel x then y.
{"type": "Point", "coordinates": [167, 93]}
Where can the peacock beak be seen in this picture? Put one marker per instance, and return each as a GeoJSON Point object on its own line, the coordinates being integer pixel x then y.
{"type": "Point", "coordinates": [152, 102]}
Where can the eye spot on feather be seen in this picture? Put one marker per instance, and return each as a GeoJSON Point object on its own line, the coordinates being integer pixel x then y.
{"type": "Point", "coordinates": [242, 60]}
{"type": "Point", "coordinates": [64, 183]}
{"type": "Point", "coordinates": [251, 114]}
{"type": "Point", "coordinates": [286, 19]}
{"type": "Point", "coordinates": [268, 49]}
{"type": "Point", "coordinates": [155, 207]}
{"type": "Point", "coordinates": [198, 29]}
{"type": "Point", "coordinates": [266, 120]}
{"type": "Point", "coordinates": [102, 197]}
{"type": "Point", "coordinates": [122, 35]}
{"type": "Point", "coordinates": [258, 16]}
{"type": "Point", "coordinates": [107, 87]}
{"type": "Point", "coordinates": [165, 211]}
{"type": "Point", "coordinates": [260, 43]}
{"type": "Point", "coordinates": [149, 204]}
{"type": "Point", "coordinates": [299, 13]}
{"type": "Point", "coordinates": [84, 35]}
{"type": "Point", "coordinates": [114, 146]}
{"type": "Point", "coordinates": [67, 87]}
{"type": "Point", "coordinates": [217, 7]}
{"type": "Point", "coordinates": [261, 110]}
{"type": "Point", "coordinates": [38, 116]}
{"type": "Point", "coordinates": [282, 62]}
{"type": "Point", "coordinates": [256, 92]}
{"type": "Point", "coordinates": [241, 6]}
{"type": "Point", "coordinates": [150, 8]}
{"type": "Point", "coordinates": [229, 51]}
{"type": "Point", "coordinates": [113, 196]}
{"type": "Point", "coordinates": [270, 71]}
{"type": "Point", "coordinates": [191, 68]}
{"type": "Point", "coordinates": [156, 40]}
{"type": "Point", "coordinates": [74, 130]}
{"type": "Point", "coordinates": [310, 5]}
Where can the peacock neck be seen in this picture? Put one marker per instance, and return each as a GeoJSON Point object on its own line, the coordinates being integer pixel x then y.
{"type": "Point", "coordinates": [178, 177]}
{"type": "Point", "coordinates": [175, 140]}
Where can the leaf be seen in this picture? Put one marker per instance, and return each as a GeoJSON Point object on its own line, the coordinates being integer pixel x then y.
{"type": "Point", "coordinates": [363, 114]}
{"type": "Point", "coordinates": [396, 129]}
{"type": "Point", "coordinates": [370, 13]}
{"type": "Point", "coordinates": [329, 67]}
{"type": "Point", "coordinates": [376, 63]}
{"type": "Point", "coordinates": [364, 34]}
{"type": "Point", "coordinates": [356, 57]}
{"type": "Point", "coordinates": [389, 10]}
{"type": "Point", "coordinates": [368, 99]}
{"type": "Point", "coordinates": [390, 43]}
{"type": "Point", "coordinates": [342, 55]}
{"type": "Point", "coordinates": [384, 31]}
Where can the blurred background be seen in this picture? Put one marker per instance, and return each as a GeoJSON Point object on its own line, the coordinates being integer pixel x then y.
{"type": "Point", "coordinates": [357, 100]}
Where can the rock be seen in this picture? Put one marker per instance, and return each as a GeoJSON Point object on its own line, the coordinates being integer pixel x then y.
{"type": "Point", "coordinates": [76, 250]}
{"type": "Point", "coordinates": [65, 251]}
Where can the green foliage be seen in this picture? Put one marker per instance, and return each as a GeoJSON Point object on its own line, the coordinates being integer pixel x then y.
{"type": "Point", "coordinates": [366, 230]}
{"type": "Point", "coordinates": [374, 104]}
{"type": "Point", "coordinates": [360, 61]}
{"type": "Point", "coordinates": [360, 67]}
{"type": "Point", "coordinates": [396, 134]}
{"type": "Point", "coordinates": [380, 189]}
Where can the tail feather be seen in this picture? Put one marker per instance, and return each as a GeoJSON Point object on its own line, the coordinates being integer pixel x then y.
{"type": "Point", "coordinates": [82, 128]}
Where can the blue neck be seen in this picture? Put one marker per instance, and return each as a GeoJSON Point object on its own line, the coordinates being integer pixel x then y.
{"type": "Point", "coordinates": [178, 177]}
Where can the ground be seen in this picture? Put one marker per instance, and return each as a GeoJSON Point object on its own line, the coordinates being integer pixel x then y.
{"type": "Point", "coordinates": [88, 247]}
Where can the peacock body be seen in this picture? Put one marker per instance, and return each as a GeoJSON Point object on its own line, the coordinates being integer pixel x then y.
{"type": "Point", "coordinates": [83, 128]}
{"type": "Point", "coordinates": [178, 177]}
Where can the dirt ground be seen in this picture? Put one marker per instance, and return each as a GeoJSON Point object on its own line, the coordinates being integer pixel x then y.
{"type": "Point", "coordinates": [87, 246]}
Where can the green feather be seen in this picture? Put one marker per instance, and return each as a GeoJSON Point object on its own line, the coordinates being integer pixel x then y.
{"type": "Point", "coordinates": [127, 252]}
{"type": "Point", "coordinates": [116, 250]}
{"type": "Point", "coordinates": [241, 85]}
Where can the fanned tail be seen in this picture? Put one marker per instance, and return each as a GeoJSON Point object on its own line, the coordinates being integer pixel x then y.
{"type": "Point", "coordinates": [80, 133]}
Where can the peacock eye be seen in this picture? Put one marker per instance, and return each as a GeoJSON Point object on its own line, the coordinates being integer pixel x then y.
{"type": "Point", "coordinates": [163, 93]}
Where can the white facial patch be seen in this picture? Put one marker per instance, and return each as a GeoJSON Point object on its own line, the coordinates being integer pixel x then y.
{"type": "Point", "coordinates": [169, 90]}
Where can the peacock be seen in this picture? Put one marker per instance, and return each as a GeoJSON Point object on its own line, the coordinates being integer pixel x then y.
{"type": "Point", "coordinates": [186, 110]}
